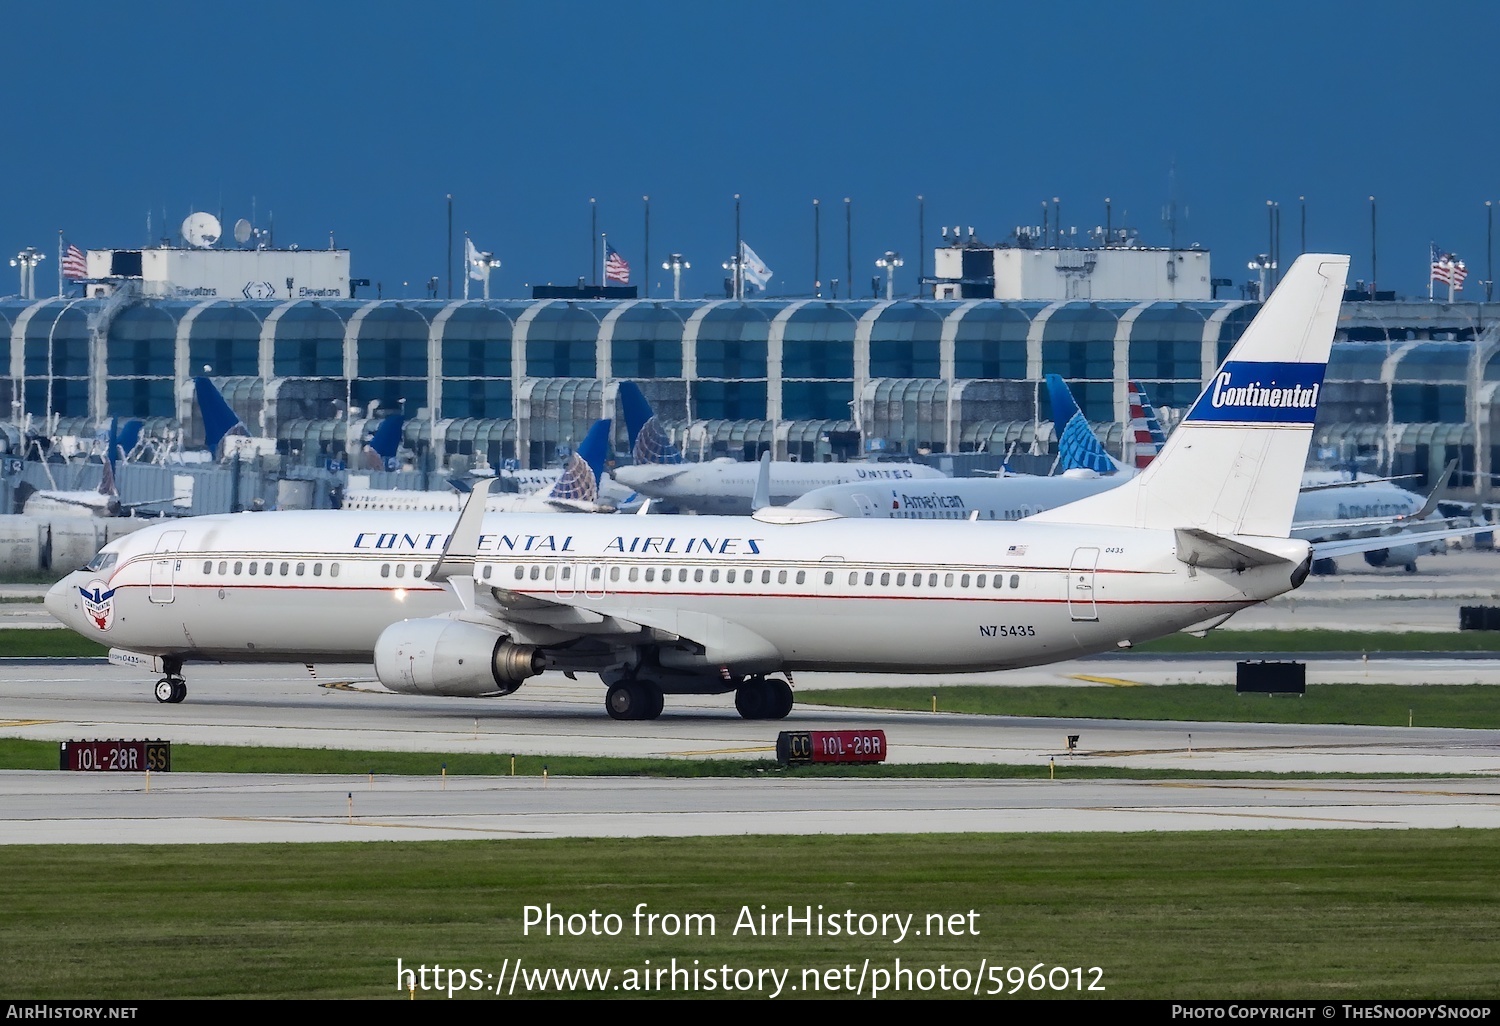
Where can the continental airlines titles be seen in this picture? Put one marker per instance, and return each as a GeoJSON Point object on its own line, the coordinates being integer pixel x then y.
{"type": "Point", "coordinates": [392, 541]}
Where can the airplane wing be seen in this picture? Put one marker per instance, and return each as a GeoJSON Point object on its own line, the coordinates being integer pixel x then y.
{"type": "Point", "coordinates": [1417, 516]}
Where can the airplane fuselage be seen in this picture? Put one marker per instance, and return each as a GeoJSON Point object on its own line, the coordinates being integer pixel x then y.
{"type": "Point", "coordinates": [726, 486]}
{"type": "Point", "coordinates": [832, 595]}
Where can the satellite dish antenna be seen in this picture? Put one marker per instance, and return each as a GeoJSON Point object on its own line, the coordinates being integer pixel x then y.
{"type": "Point", "coordinates": [201, 230]}
{"type": "Point", "coordinates": [242, 231]}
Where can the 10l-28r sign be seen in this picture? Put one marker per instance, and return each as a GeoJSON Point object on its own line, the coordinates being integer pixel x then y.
{"type": "Point", "coordinates": [116, 756]}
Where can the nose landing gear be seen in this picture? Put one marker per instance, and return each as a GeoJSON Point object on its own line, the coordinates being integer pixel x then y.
{"type": "Point", "coordinates": [171, 689]}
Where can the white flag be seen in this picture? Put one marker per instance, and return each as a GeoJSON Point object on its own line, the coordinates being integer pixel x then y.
{"type": "Point", "coordinates": [474, 259]}
{"type": "Point", "coordinates": [753, 267]}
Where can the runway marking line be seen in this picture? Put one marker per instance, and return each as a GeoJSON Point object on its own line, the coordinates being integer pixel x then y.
{"type": "Point", "coordinates": [728, 751]}
{"type": "Point", "coordinates": [1114, 682]}
{"type": "Point", "coordinates": [1311, 789]}
{"type": "Point", "coordinates": [26, 723]}
{"type": "Point", "coordinates": [1253, 815]}
{"type": "Point", "coordinates": [335, 821]}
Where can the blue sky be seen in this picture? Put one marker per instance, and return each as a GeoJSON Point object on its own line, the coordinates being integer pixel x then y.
{"type": "Point", "coordinates": [360, 118]}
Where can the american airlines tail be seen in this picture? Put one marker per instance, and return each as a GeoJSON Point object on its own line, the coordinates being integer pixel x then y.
{"type": "Point", "coordinates": [1234, 464]}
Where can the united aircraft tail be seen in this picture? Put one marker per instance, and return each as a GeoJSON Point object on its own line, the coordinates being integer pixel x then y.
{"type": "Point", "coordinates": [386, 441]}
{"type": "Point", "coordinates": [1078, 448]}
{"type": "Point", "coordinates": [1234, 464]}
{"type": "Point", "coordinates": [648, 439]}
{"type": "Point", "coordinates": [585, 468]}
{"type": "Point", "coordinates": [218, 418]}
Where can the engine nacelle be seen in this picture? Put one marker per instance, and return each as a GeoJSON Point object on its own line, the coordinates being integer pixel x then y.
{"type": "Point", "coordinates": [436, 656]}
{"type": "Point", "coordinates": [1399, 555]}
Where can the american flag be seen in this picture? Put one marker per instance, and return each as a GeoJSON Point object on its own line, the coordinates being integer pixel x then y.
{"type": "Point", "coordinates": [1439, 264]}
{"type": "Point", "coordinates": [615, 267]}
{"type": "Point", "coordinates": [74, 263]}
{"type": "Point", "coordinates": [1448, 269]}
{"type": "Point", "coordinates": [1457, 272]}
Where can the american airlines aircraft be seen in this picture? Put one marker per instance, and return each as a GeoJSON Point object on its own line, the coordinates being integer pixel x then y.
{"type": "Point", "coordinates": [668, 605]}
{"type": "Point", "coordinates": [725, 485]}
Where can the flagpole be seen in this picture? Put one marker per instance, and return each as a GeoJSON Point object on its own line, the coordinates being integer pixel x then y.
{"type": "Point", "coordinates": [468, 269]}
{"type": "Point", "coordinates": [739, 253]}
{"type": "Point", "coordinates": [59, 263]}
{"type": "Point", "coordinates": [604, 254]}
{"type": "Point", "coordinates": [1431, 262]}
{"type": "Point", "coordinates": [647, 265]}
{"type": "Point", "coordinates": [594, 233]}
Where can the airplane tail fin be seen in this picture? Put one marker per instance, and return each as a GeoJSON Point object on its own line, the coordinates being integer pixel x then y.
{"type": "Point", "coordinates": [218, 418]}
{"type": "Point", "coordinates": [1144, 427]}
{"type": "Point", "coordinates": [1234, 464]}
{"type": "Point", "coordinates": [1078, 448]}
{"type": "Point", "coordinates": [386, 441]}
{"type": "Point", "coordinates": [648, 439]}
{"type": "Point", "coordinates": [580, 479]}
{"type": "Point", "coordinates": [128, 438]}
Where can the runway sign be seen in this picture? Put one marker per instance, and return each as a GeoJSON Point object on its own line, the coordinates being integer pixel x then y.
{"type": "Point", "coordinates": [800, 747]}
{"type": "Point", "coordinates": [115, 756]}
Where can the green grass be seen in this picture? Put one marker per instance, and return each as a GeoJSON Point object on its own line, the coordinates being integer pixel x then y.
{"type": "Point", "coordinates": [20, 642]}
{"type": "Point", "coordinates": [1388, 705]}
{"type": "Point", "coordinates": [1316, 915]}
{"type": "Point", "coordinates": [1326, 641]}
{"type": "Point", "coordinates": [19, 754]}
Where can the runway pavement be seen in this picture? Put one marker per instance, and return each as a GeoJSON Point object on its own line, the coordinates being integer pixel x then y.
{"type": "Point", "coordinates": [343, 708]}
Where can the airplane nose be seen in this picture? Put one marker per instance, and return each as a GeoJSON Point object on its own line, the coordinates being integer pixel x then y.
{"type": "Point", "coordinates": [59, 599]}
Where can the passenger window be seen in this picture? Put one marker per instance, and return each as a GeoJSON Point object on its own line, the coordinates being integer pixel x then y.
{"type": "Point", "coordinates": [635, 572]}
{"type": "Point", "coordinates": [301, 569]}
{"type": "Point", "coordinates": [208, 567]}
{"type": "Point", "coordinates": [268, 569]}
{"type": "Point", "coordinates": [520, 573]}
{"type": "Point", "coordinates": [885, 580]}
{"type": "Point", "coordinates": [551, 572]}
{"type": "Point", "coordinates": [486, 573]}
{"type": "Point", "coordinates": [869, 579]}
{"type": "Point", "coordinates": [999, 580]}
{"type": "Point", "coordinates": [650, 573]}
{"type": "Point", "coordinates": [238, 566]}
{"type": "Point", "coordinates": [963, 582]}
{"type": "Point", "coordinates": [223, 568]}
{"type": "Point", "coordinates": [400, 569]}
{"type": "Point", "coordinates": [567, 572]}
{"type": "Point", "coordinates": [614, 573]}
{"type": "Point", "coordinates": [781, 577]}
{"type": "Point", "coordinates": [979, 580]}
{"type": "Point", "coordinates": [900, 580]}
{"type": "Point", "coordinates": [253, 568]}
{"type": "Point", "coordinates": [536, 573]}
{"type": "Point", "coordinates": [1015, 580]}
{"type": "Point", "coordinates": [333, 570]}
{"type": "Point", "coordinates": [713, 576]}
{"type": "Point", "coordinates": [698, 576]}
{"type": "Point", "coordinates": [932, 580]}
{"type": "Point", "coordinates": [286, 568]}
{"type": "Point", "coordinates": [802, 577]}
{"type": "Point", "coordinates": [947, 580]}
{"type": "Point", "coordinates": [729, 577]}
{"type": "Point", "coordinates": [596, 573]}
{"type": "Point", "coordinates": [317, 569]}
{"type": "Point", "coordinates": [765, 577]}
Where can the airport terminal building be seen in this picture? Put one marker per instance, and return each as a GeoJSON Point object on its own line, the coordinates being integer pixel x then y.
{"type": "Point", "coordinates": [1411, 383]}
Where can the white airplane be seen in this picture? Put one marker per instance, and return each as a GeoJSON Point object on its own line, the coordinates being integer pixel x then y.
{"type": "Point", "coordinates": [1388, 525]}
{"type": "Point", "coordinates": [576, 489]}
{"type": "Point", "coordinates": [103, 501]}
{"type": "Point", "coordinates": [659, 605]}
{"type": "Point", "coordinates": [725, 485]}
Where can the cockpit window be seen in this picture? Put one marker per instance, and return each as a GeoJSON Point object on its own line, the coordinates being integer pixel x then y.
{"type": "Point", "coordinates": [103, 561]}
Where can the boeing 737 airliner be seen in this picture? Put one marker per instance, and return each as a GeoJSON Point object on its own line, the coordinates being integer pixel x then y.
{"type": "Point", "coordinates": [667, 605]}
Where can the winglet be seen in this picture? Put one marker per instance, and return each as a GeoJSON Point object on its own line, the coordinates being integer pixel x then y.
{"type": "Point", "coordinates": [1432, 497]}
{"type": "Point", "coordinates": [455, 567]}
{"type": "Point", "coordinates": [761, 498]}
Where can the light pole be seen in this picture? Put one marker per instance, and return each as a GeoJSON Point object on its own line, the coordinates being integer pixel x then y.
{"type": "Point", "coordinates": [1262, 262]}
{"type": "Point", "coordinates": [732, 265]}
{"type": "Point", "coordinates": [1489, 248]}
{"type": "Point", "coordinates": [27, 260]}
{"type": "Point", "coordinates": [889, 263]}
{"type": "Point", "coordinates": [676, 264]}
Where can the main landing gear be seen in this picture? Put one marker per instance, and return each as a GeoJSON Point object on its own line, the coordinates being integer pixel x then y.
{"type": "Point", "coordinates": [171, 688]}
{"type": "Point", "coordinates": [634, 700]}
{"type": "Point", "coordinates": [762, 699]}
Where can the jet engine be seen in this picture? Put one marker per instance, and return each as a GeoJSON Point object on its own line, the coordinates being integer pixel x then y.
{"type": "Point", "coordinates": [1400, 555]}
{"type": "Point", "coordinates": [436, 656]}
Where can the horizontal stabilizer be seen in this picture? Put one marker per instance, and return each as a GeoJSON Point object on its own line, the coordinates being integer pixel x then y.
{"type": "Point", "coordinates": [1200, 548]}
{"type": "Point", "coordinates": [1350, 546]}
